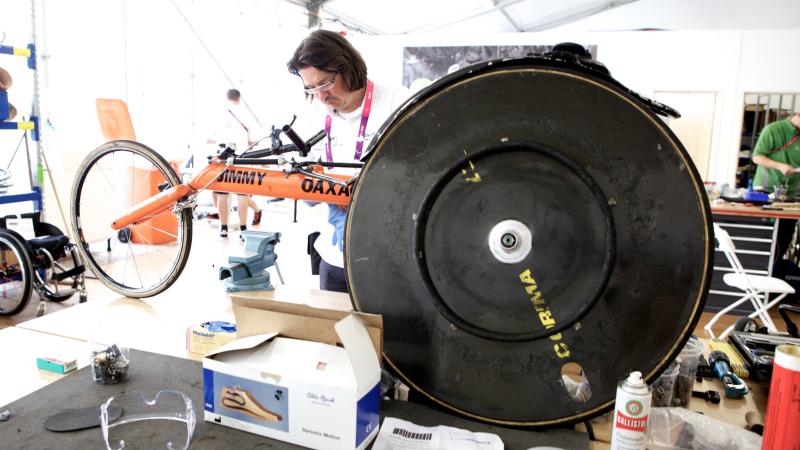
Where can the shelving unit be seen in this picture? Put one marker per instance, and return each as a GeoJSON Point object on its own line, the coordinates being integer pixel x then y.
{"type": "Point", "coordinates": [32, 125]}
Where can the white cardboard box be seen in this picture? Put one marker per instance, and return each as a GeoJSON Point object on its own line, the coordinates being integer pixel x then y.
{"type": "Point", "coordinates": [284, 376]}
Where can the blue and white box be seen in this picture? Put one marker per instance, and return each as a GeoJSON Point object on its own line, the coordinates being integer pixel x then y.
{"type": "Point", "coordinates": [284, 377]}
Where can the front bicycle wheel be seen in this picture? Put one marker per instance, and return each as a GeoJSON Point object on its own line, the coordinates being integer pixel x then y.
{"type": "Point", "coordinates": [146, 258]}
{"type": "Point", "coordinates": [16, 272]}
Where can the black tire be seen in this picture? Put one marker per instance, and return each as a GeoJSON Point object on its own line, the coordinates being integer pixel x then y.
{"type": "Point", "coordinates": [96, 202]}
{"type": "Point", "coordinates": [16, 269]}
{"type": "Point", "coordinates": [746, 324]}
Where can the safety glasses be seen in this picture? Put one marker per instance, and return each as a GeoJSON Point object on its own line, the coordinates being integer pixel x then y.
{"type": "Point", "coordinates": [166, 420]}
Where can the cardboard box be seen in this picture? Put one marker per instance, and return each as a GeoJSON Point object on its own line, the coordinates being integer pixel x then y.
{"type": "Point", "coordinates": [56, 365]}
{"type": "Point", "coordinates": [284, 376]}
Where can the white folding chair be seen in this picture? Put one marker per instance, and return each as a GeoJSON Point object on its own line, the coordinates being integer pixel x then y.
{"type": "Point", "coordinates": [755, 287]}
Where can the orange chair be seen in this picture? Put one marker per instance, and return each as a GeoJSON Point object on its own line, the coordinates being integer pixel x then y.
{"type": "Point", "coordinates": [115, 122]}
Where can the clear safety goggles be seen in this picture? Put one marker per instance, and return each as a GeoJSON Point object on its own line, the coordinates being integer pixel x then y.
{"type": "Point", "coordinates": [165, 420]}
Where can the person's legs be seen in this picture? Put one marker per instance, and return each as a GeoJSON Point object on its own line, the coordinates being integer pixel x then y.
{"type": "Point", "coordinates": [223, 206]}
{"type": "Point", "coordinates": [252, 203]}
{"type": "Point", "coordinates": [332, 278]}
{"type": "Point", "coordinates": [241, 201]}
{"type": "Point", "coordinates": [215, 203]}
{"type": "Point", "coordinates": [256, 212]}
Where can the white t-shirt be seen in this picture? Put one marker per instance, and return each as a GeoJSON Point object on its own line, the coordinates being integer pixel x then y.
{"type": "Point", "coordinates": [344, 135]}
{"type": "Point", "coordinates": [237, 126]}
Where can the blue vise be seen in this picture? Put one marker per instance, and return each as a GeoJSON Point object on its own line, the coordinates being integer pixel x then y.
{"type": "Point", "coordinates": [249, 271]}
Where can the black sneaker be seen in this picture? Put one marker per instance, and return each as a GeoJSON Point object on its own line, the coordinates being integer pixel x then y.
{"type": "Point", "coordinates": [257, 218]}
{"type": "Point", "coordinates": [223, 231]}
{"type": "Point", "coordinates": [242, 228]}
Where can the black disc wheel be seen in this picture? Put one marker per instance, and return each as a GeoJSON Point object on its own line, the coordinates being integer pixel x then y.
{"type": "Point", "coordinates": [114, 177]}
{"type": "Point", "coordinates": [531, 233]}
{"type": "Point", "coordinates": [15, 274]}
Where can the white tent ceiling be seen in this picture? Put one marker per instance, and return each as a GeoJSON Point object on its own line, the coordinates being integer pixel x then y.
{"type": "Point", "coordinates": [500, 16]}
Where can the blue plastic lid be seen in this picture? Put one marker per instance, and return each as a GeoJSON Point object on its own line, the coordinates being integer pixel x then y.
{"type": "Point", "coordinates": [218, 326]}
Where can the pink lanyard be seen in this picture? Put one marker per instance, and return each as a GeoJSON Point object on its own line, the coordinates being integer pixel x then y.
{"type": "Point", "coordinates": [237, 119]}
{"type": "Point", "coordinates": [362, 129]}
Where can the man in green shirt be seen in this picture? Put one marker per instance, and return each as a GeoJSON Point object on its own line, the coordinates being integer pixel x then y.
{"type": "Point", "coordinates": [777, 154]}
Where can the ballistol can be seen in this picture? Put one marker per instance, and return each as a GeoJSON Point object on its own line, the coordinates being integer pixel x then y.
{"type": "Point", "coordinates": [631, 411]}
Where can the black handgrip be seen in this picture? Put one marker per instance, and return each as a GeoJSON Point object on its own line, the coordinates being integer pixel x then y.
{"type": "Point", "coordinates": [301, 146]}
{"type": "Point", "coordinates": [316, 138]}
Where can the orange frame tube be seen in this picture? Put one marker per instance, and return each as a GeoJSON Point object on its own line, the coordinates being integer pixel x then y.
{"type": "Point", "coordinates": [245, 179]}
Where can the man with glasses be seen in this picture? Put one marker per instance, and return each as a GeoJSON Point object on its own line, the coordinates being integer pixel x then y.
{"type": "Point", "coordinates": [351, 109]}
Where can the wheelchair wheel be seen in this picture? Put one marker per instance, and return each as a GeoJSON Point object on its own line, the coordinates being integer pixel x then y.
{"type": "Point", "coordinates": [15, 274]}
{"type": "Point", "coordinates": [111, 179]}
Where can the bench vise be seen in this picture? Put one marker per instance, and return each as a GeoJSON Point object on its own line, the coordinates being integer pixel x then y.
{"type": "Point", "coordinates": [248, 272]}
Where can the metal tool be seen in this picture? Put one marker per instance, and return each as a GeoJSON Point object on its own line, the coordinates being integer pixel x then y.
{"type": "Point", "coordinates": [734, 386]}
{"type": "Point", "coordinates": [709, 396]}
{"type": "Point", "coordinates": [248, 272]}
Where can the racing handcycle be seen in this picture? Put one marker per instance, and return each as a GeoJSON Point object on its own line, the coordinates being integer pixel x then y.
{"type": "Point", "coordinates": [132, 214]}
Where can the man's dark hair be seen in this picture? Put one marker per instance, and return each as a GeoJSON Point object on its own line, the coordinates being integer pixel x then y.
{"type": "Point", "coordinates": [330, 52]}
{"type": "Point", "coordinates": [234, 94]}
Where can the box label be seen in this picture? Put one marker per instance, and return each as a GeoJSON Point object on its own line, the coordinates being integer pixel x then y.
{"type": "Point", "coordinates": [208, 390]}
{"type": "Point", "coordinates": [368, 414]}
{"type": "Point", "coordinates": [252, 401]}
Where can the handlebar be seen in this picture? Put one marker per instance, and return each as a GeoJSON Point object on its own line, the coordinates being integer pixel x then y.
{"type": "Point", "coordinates": [297, 145]}
{"type": "Point", "coordinates": [259, 157]}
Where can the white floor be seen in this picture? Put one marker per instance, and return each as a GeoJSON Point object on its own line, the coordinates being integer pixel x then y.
{"type": "Point", "coordinates": [209, 252]}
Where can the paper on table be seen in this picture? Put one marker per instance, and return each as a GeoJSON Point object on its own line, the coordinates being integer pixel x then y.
{"type": "Point", "coordinates": [396, 434]}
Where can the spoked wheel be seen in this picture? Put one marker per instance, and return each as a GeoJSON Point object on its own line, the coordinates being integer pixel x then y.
{"type": "Point", "coordinates": [114, 177]}
{"type": "Point", "coordinates": [15, 274]}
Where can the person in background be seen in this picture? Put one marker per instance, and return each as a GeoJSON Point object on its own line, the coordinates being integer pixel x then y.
{"type": "Point", "coordinates": [777, 155]}
{"type": "Point", "coordinates": [350, 108]}
{"type": "Point", "coordinates": [237, 128]}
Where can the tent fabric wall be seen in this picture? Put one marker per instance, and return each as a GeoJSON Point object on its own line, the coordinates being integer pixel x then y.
{"type": "Point", "coordinates": [145, 53]}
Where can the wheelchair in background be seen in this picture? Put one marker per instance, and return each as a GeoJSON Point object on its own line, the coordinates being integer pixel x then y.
{"type": "Point", "coordinates": [48, 264]}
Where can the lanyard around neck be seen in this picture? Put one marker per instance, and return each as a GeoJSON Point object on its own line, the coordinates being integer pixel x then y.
{"type": "Point", "coordinates": [362, 128]}
{"type": "Point", "coordinates": [240, 122]}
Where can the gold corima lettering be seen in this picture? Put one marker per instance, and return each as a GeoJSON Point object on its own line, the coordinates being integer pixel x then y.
{"type": "Point", "coordinates": [543, 310]}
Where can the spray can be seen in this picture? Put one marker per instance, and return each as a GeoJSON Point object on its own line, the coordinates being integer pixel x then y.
{"type": "Point", "coordinates": [783, 407]}
{"type": "Point", "coordinates": [631, 412]}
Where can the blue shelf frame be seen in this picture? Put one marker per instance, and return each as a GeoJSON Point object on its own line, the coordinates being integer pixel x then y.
{"type": "Point", "coordinates": [35, 195]}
